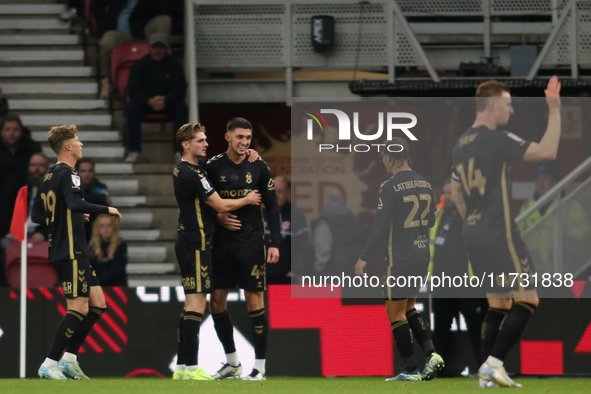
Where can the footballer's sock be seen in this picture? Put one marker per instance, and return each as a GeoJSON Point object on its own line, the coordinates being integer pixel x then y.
{"type": "Point", "coordinates": [420, 330]}
{"type": "Point", "coordinates": [259, 365]}
{"type": "Point", "coordinates": [181, 354]}
{"type": "Point", "coordinates": [64, 334]}
{"type": "Point", "coordinates": [260, 331]}
{"type": "Point", "coordinates": [403, 337]}
{"type": "Point", "coordinates": [84, 328]}
{"type": "Point", "coordinates": [490, 330]}
{"type": "Point", "coordinates": [225, 330]}
{"type": "Point", "coordinates": [191, 323]}
{"type": "Point", "coordinates": [511, 329]}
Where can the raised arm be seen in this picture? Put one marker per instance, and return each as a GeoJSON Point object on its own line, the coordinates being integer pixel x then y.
{"type": "Point", "coordinates": [547, 148]}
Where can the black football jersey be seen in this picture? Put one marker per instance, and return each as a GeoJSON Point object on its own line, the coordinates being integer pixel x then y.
{"type": "Point", "coordinates": [481, 164]}
{"type": "Point", "coordinates": [233, 180]}
{"type": "Point", "coordinates": [406, 211]}
{"type": "Point", "coordinates": [192, 189]}
{"type": "Point", "coordinates": [59, 204]}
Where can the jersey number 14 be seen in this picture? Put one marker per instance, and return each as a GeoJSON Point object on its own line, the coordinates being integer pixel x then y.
{"type": "Point", "coordinates": [474, 179]}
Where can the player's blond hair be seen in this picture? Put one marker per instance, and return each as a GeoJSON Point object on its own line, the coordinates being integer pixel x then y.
{"type": "Point", "coordinates": [187, 132]}
{"type": "Point", "coordinates": [60, 134]}
{"type": "Point", "coordinates": [489, 89]}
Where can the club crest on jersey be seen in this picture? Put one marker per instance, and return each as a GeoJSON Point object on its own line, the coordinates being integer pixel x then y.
{"type": "Point", "coordinates": [205, 184]}
{"type": "Point", "coordinates": [248, 177]}
{"type": "Point", "coordinates": [222, 178]}
{"type": "Point", "coordinates": [76, 180]}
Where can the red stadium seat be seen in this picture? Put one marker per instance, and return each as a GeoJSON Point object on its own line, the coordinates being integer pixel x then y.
{"type": "Point", "coordinates": [122, 59]}
{"type": "Point", "coordinates": [39, 272]}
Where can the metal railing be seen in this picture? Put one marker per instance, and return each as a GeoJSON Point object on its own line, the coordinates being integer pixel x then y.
{"type": "Point", "coordinates": [548, 235]}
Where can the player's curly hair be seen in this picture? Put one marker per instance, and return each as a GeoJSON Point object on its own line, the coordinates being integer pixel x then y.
{"type": "Point", "coordinates": [489, 89]}
{"type": "Point", "coordinates": [60, 134]}
{"type": "Point", "coordinates": [187, 132]}
{"type": "Point", "coordinates": [399, 151]}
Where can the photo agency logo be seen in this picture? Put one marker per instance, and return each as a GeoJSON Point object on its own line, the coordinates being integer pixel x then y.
{"type": "Point", "coordinates": [392, 122]}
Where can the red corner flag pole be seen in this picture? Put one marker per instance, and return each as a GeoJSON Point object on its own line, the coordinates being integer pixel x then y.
{"type": "Point", "coordinates": [18, 228]}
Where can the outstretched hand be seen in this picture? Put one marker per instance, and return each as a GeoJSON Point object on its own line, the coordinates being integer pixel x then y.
{"type": "Point", "coordinates": [552, 93]}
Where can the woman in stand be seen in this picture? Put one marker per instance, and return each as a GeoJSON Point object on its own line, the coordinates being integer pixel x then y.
{"type": "Point", "coordinates": [108, 252]}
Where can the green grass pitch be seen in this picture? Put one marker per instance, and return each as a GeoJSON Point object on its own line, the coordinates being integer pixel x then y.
{"type": "Point", "coordinates": [279, 385]}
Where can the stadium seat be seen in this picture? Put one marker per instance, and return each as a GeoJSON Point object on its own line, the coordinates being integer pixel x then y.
{"type": "Point", "coordinates": [123, 58]}
{"type": "Point", "coordinates": [39, 272]}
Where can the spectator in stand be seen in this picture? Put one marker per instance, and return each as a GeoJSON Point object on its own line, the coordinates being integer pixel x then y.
{"type": "Point", "coordinates": [156, 84]}
{"type": "Point", "coordinates": [16, 149]}
{"type": "Point", "coordinates": [95, 192]}
{"type": "Point", "coordinates": [338, 237]}
{"type": "Point", "coordinates": [108, 252]}
{"type": "Point", "coordinates": [117, 22]}
{"type": "Point", "coordinates": [38, 166]}
{"type": "Point", "coordinates": [294, 231]}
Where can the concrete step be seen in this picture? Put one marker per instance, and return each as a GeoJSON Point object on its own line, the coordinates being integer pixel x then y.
{"type": "Point", "coordinates": [31, 9]}
{"type": "Point", "coordinates": [38, 39]}
{"type": "Point", "coordinates": [59, 105]}
{"type": "Point", "coordinates": [54, 120]}
{"type": "Point", "coordinates": [50, 88]}
{"type": "Point", "coordinates": [150, 268]}
{"type": "Point", "coordinates": [154, 168]}
{"type": "Point", "coordinates": [122, 186]}
{"type": "Point", "coordinates": [85, 136]}
{"type": "Point", "coordinates": [41, 56]}
{"type": "Point", "coordinates": [140, 235]}
{"type": "Point", "coordinates": [136, 220]}
{"type": "Point", "coordinates": [147, 254]}
{"type": "Point", "coordinates": [141, 280]}
{"type": "Point", "coordinates": [113, 168]}
{"type": "Point", "coordinates": [45, 72]}
{"type": "Point", "coordinates": [128, 201]}
{"type": "Point", "coordinates": [34, 24]}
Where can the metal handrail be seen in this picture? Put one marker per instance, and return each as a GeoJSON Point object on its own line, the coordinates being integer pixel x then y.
{"type": "Point", "coordinates": [190, 61]}
{"type": "Point", "coordinates": [555, 191]}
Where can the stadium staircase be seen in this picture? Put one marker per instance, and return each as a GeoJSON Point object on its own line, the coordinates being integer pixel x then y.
{"type": "Point", "coordinates": [49, 77]}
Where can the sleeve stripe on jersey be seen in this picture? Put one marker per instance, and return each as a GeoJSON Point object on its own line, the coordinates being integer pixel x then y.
{"type": "Point", "coordinates": [455, 177]}
{"type": "Point", "coordinates": [200, 221]}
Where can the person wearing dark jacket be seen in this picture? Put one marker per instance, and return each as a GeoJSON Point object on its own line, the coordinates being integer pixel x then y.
{"type": "Point", "coordinates": [114, 27]}
{"type": "Point", "coordinates": [108, 252]}
{"type": "Point", "coordinates": [156, 84]}
{"type": "Point", "coordinates": [338, 237]}
{"type": "Point", "coordinates": [16, 149]}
